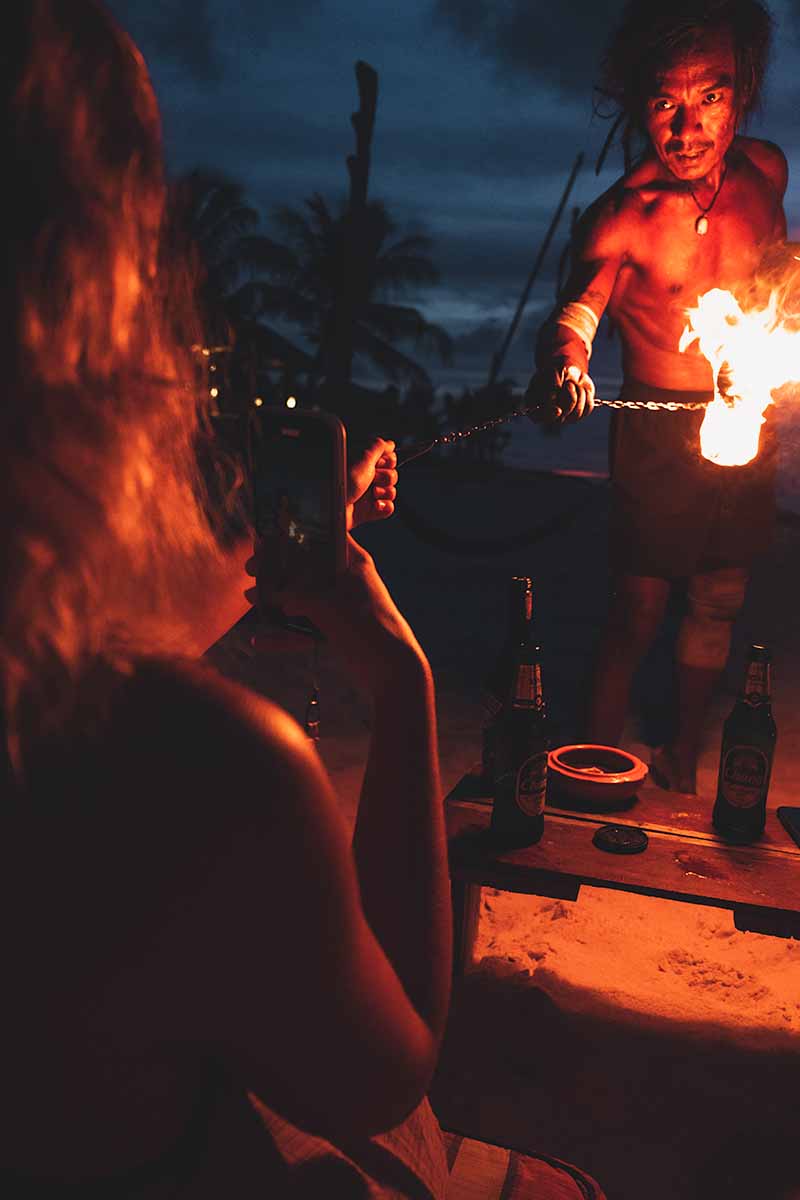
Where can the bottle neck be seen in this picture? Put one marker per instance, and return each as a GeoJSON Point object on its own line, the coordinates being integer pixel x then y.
{"type": "Point", "coordinates": [757, 683]}
{"type": "Point", "coordinates": [520, 610]}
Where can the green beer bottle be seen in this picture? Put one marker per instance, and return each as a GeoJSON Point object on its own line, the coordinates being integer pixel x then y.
{"type": "Point", "coordinates": [515, 737]}
{"type": "Point", "coordinates": [501, 677]}
{"type": "Point", "coordinates": [745, 763]}
{"type": "Point", "coordinates": [500, 680]}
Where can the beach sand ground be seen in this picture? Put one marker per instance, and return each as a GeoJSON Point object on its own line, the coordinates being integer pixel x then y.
{"type": "Point", "coordinates": [644, 1039]}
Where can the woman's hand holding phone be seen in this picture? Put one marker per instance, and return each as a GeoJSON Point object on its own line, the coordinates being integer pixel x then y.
{"type": "Point", "coordinates": [357, 614]}
{"type": "Point", "coordinates": [372, 484]}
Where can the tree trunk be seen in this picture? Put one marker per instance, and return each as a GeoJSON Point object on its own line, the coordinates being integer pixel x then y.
{"type": "Point", "coordinates": [337, 353]}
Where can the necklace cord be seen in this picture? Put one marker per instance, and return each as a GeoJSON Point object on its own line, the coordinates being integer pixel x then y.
{"type": "Point", "coordinates": [706, 211]}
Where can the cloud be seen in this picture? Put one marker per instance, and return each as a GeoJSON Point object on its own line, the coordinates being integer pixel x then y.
{"type": "Point", "coordinates": [792, 8]}
{"type": "Point", "coordinates": [558, 43]}
{"type": "Point", "coordinates": [180, 31]}
{"type": "Point", "coordinates": [203, 37]}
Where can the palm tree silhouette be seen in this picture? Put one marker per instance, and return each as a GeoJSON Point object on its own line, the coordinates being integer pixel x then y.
{"type": "Point", "coordinates": [323, 258]}
{"type": "Point", "coordinates": [320, 269]}
{"type": "Point", "coordinates": [212, 226]}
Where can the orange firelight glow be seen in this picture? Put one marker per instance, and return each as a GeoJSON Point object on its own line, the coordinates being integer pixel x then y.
{"type": "Point", "coordinates": [752, 354]}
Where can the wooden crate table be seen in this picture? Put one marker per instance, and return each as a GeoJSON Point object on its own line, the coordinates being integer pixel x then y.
{"type": "Point", "coordinates": [684, 860]}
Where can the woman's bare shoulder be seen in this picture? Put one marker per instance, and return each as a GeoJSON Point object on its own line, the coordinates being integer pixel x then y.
{"type": "Point", "coordinates": [200, 689]}
{"type": "Point", "coordinates": [210, 731]}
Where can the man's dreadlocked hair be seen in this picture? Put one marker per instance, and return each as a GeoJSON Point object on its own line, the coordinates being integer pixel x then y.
{"type": "Point", "coordinates": [647, 39]}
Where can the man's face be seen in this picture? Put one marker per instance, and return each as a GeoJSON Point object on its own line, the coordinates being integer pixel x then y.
{"type": "Point", "coordinates": [691, 115]}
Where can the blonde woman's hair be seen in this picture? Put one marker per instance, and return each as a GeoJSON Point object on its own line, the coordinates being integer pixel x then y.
{"type": "Point", "coordinates": [104, 531]}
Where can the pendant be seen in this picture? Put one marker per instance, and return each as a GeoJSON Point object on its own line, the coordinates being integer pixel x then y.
{"type": "Point", "coordinates": [701, 225]}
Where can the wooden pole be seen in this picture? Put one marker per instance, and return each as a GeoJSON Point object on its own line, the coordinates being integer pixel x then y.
{"type": "Point", "coordinates": [363, 123]}
{"type": "Point", "coordinates": [499, 357]}
{"type": "Point", "coordinates": [338, 349]}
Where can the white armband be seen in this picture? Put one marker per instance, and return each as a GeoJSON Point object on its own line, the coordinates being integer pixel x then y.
{"type": "Point", "coordinates": [582, 320]}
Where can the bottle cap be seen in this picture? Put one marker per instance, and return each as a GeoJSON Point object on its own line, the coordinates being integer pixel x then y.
{"type": "Point", "coordinates": [620, 839]}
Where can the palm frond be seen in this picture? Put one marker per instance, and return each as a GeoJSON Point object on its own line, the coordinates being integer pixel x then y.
{"type": "Point", "coordinates": [267, 344]}
{"type": "Point", "coordinates": [210, 198]}
{"type": "Point", "coordinates": [221, 234]}
{"type": "Point", "coordinates": [399, 272]}
{"type": "Point", "coordinates": [388, 358]}
{"type": "Point", "coordinates": [417, 245]}
{"type": "Point", "coordinates": [259, 253]}
{"type": "Point", "coordinates": [256, 298]}
{"type": "Point", "coordinates": [395, 322]}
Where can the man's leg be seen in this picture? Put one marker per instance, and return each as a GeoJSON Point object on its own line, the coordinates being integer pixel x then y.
{"type": "Point", "coordinates": [635, 614]}
{"type": "Point", "coordinates": [715, 600]}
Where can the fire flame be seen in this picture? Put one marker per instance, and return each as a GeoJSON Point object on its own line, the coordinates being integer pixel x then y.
{"type": "Point", "coordinates": [752, 354]}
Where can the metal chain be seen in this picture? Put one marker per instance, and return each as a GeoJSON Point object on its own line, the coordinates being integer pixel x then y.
{"type": "Point", "coordinates": [458, 435]}
{"type": "Point", "coordinates": [657, 405]}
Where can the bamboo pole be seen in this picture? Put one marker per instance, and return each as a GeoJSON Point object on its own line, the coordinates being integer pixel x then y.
{"type": "Point", "coordinates": [499, 357]}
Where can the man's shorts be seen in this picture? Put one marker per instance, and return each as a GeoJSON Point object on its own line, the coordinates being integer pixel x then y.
{"type": "Point", "coordinates": [674, 513]}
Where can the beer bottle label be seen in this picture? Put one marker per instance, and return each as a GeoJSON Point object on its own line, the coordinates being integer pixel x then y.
{"type": "Point", "coordinates": [531, 787]}
{"type": "Point", "coordinates": [528, 688]}
{"type": "Point", "coordinates": [745, 770]}
{"type": "Point", "coordinates": [756, 688]}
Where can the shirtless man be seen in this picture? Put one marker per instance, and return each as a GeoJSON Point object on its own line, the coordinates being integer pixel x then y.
{"type": "Point", "coordinates": [698, 210]}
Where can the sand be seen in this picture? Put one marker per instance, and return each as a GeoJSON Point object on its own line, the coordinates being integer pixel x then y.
{"type": "Point", "coordinates": [681, 963]}
{"type": "Point", "coordinates": [646, 1040]}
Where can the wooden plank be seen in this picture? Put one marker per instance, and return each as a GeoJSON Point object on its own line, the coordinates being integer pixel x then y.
{"type": "Point", "coordinates": [774, 921]}
{"type": "Point", "coordinates": [466, 900]}
{"type": "Point", "coordinates": [672, 867]}
{"type": "Point", "coordinates": [653, 809]}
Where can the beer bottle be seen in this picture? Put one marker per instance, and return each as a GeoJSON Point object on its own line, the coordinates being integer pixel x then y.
{"type": "Point", "coordinates": [501, 678]}
{"type": "Point", "coordinates": [745, 764]}
{"type": "Point", "coordinates": [515, 737]}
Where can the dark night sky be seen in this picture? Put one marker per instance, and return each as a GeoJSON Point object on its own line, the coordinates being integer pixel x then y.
{"type": "Point", "coordinates": [482, 109]}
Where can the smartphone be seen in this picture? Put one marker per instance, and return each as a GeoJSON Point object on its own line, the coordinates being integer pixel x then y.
{"type": "Point", "coordinates": [790, 820]}
{"type": "Point", "coordinates": [297, 462]}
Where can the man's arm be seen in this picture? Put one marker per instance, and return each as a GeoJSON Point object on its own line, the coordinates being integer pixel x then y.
{"type": "Point", "coordinates": [564, 344]}
{"type": "Point", "coordinates": [771, 162]}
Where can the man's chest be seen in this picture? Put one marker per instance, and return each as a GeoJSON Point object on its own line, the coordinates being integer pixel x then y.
{"type": "Point", "coordinates": [671, 263]}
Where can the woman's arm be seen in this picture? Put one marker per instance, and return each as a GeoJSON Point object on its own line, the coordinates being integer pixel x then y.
{"type": "Point", "coordinates": [400, 844]}
{"type": "Point", "coordinates": [271, 964]}
{"type": "Point", "coordinates": [316, 975]}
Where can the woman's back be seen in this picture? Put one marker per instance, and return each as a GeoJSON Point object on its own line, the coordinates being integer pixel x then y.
{"type": "Point", "coordinates": [182, 928]}
{"type": "Point", "coordinates": [101, 856]}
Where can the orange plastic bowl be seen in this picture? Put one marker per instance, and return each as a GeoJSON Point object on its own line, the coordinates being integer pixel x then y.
{"type": "Point", "coordinates": [600, 776]}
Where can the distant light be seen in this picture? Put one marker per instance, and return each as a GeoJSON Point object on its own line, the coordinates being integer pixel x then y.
{"type": "Point", "coordinates": [258, 402]}
{"type": "Point", "coordinates": [214, 393]}
{"type": "Point", "coordinates": [213, 367]}
{"type": "Point", "coordinates": [206, 352]}
{"type": "Point", "coordinates": [291, 402]}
